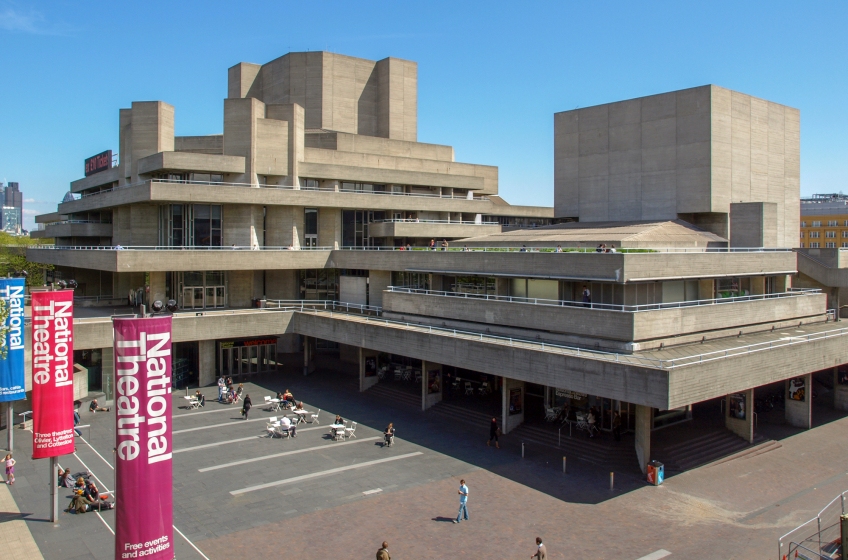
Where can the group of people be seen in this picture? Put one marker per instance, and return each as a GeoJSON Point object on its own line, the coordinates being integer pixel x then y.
{"type": "Point", "coordinates": [86, 495]}
{"type": "Point", "coordinates": [444, 244]}
{"type": "Point", "coordinates": [226, 392]}
{"type": "Point", "coordinates": [602, 248]}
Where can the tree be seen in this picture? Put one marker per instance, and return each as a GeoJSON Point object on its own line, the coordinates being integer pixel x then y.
{"type": "Point", "coordinates": [13, 258]}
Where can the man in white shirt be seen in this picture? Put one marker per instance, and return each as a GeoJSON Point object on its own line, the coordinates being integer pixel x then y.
{"type": "Point", "coordinates": [287, 424]}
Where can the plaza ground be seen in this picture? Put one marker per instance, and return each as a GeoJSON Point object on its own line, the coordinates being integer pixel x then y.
{"type": "Point", "coordinates": [407, 494]}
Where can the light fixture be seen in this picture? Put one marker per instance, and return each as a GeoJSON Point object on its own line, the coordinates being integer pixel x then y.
{"type": "Point", "coordinates": [157, 306]}
{"type": "Point", "coordinates": [171, 306]}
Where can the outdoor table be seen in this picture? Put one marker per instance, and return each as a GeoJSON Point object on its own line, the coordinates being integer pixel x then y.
{"type": "Point", "coordinates": [301, 415]}
{"type": "Point", "coordinates": [276, 403]}
{"type": "Point", "coordinates": [336, 428]}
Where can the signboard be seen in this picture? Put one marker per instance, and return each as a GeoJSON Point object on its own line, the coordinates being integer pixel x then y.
{"type": "Point", "coordinates": [251, 342]}
{"type": "Point", "coordinates": [515, 401]}
{"type": "Point", "coordinates": [12, 384]}
{"type": "Point", "coordinates": [797, 389]}
{"type": "Point", "coordinates": [570, 394]}
{"type": "Point", "coordinates": [738, 406]}
{"type": "Point", "coordinates": [52, 373]}
{"type": "Point", "coordinates": [98, 163]}
{"type": "Point", "coordinates": [144, 514]}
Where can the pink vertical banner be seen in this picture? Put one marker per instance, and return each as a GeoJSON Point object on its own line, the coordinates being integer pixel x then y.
{"type": "Point", "coordinates": [143, 490]}
{"type": "Point", "coordinates": [52, 373]}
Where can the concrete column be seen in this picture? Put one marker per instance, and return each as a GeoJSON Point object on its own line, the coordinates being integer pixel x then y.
{"type": "Point", "coordinates": [366, 383]}
{"type": "Point", "coordinates": [644, 415]}
{"type": "Point", "coordinates": [502, 286]}
{"type": "Point", "coordinates": [243, 225]}
{"type": "Point", "coordinates": [378, 280]}
{"type": "Point", "coordinates": [758, 285]}
{"type": "Point", "coordinates": [706, 289]}
{"type": "Point", "coordinates": [514, 419]}
{"type": "Point", "coordinates": [294, 115]}
{"type": "Point", "coordinates": [329, 227]}
{"type": "Point", "coordinates": [840, 392]}
{"type": "Point", "coordinates": [107, 372]}
{"type": "Point", "coordinates": [308, 364]}
{"type": "Point", "coordinates": [157, 287]}
{"type": "Point", "coordinates": [799, 413]}
{"type": "Point", "coordinates": [742, 427]}
{"type": "Point", "coordinates": [206, 374]}
{"type": "Point", "coordinates": [430, 374]}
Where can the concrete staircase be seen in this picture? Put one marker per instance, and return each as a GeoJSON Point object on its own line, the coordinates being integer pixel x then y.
{"type": "Point", "coordinates": [705, 448]}
{"type": "Point", "coordinates": [601, 450]}
{"type": "Point", "coordinates": [389, 394]}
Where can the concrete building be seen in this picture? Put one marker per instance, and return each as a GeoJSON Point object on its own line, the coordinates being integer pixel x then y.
{"type": "Point", "coordinates": [318, 205]}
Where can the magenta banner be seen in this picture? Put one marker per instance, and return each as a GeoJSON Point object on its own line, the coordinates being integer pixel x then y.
{"type": "Point", "coordinates": [143, 492]}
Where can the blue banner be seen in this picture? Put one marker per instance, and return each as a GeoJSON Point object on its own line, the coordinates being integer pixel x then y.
{"type": "Point", "coordinates": [12, 386]}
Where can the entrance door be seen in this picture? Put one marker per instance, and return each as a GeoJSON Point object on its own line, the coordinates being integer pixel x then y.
{"type": "Point", "coordinates": [193, 298]}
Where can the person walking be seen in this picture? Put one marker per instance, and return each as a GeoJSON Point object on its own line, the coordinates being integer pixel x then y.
{"type": "Point", "coordinates": [493, 433]}
{"type": "Point", "coordinates": [541, 551]}
{"type": "Point", "coordinates": [222, 385]}
{"type": "Point", "coordinates": [10, 469]}
{"type": "Point", "coordinates": [383, 553]}
{"type": "Point", "coordinates": [616, 426]}
{"type": "Point", "coordinates": [463, 502]}
{"type": "Point", "coordinates": [77, 420]}
{"type": "Point", "coordinates": [245, 408]}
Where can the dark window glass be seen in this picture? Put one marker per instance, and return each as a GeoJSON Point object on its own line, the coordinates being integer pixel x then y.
{"type": "Point", "coordinates": [311, 221]}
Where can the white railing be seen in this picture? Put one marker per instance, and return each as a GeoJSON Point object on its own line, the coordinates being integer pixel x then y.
{"type": "Point", "coordinates": [78, 222]}
{"type": "Point", "coordinates": [277, 187]}
{"type": "Point", "coordinates": [417, 221]}
{"type": "Point", "coordinates": [172, 248]}
{"type": "Point", "coordinates": [604, 306]}
{"type": "Point", "coordinates": [302, 304]}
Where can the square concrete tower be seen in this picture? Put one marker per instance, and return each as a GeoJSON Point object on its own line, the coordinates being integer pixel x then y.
{"type": "Point", "coordinates": [338, 92]}
{"type": "Point", "coordinates": [685, 154]}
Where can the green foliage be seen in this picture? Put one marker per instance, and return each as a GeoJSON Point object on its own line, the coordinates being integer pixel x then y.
{"type": "Point", "coordinates": [13, 258]}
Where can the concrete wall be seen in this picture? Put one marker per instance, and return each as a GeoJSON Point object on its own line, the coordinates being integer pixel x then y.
{"type": "Point", "coordinates": [243, 225]}
{"type": "Point", "coordinates": [691, 151]}
{"type": "Point", "coordinates": [642, 429]}
{"type": "Point", "coordinates": [753, 224]}
{"type": "Point", "coordinates": [210, 144]}
{"type": "Point", "coordinates": [800, 413]}
{"type": "Point", "coordinates": [511, 421]}
{"type": "Point", "coordinates": [196, 162]}
{"type": "Point", "coordinates": [358, 143]}
{"type": "Point", "coordinates": [430, 230]}
{"type": "Point", "coordinates": [282, 284]}
{"type": "Point", "coordinates": [330, 227]}
{"type": "Point", "coordinates": [338, 92]}
{"type": "Point", "coordinates": [353, 289]}
{"type": "Point", "coordinates": [136, 225]}
{"type": "Point", "coordinates": [149, 129]}
{"type": "Point", "coordinates": [284, 226]}
{"type": "Point", "coordinates": [616, 325]}
{"type": "Point", "coordinates": [206, 363]}
{"type": "Point", "coordinates": [378, 280]}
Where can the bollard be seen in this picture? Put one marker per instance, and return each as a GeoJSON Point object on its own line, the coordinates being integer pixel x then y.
{"type": "Point", "coordinates": [522, 449]}
{"type": "Point", "coordinates": [612, 480]}
{"type": "Point", "coordinates": [563, 465]}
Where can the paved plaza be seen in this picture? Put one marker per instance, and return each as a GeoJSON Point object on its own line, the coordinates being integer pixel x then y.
{"type": "Point", "coordinates": [240, 494]}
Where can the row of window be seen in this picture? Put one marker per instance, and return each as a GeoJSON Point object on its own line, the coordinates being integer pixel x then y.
{"type": "Point", "coordinates": [830, 223]}
{"type": "Point", "coordinates": [827, 234]}
{"type": "Point", "coordinates": [828, 245]}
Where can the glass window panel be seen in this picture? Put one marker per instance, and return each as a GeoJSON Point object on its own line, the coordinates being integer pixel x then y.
{"type": "Point", "coordinates": [193, 278]}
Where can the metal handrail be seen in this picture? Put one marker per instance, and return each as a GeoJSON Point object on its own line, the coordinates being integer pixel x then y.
{"type": "Point", "coordinates": [280, 187]}
{"type": "Point", "coordinates": [76, 222]}
{"type": "Point", "coordinates": [606, 306]}
{"type": "Point", "coordinates": [315, 304]}
{"type": "Point", "coordinates": [418, 221]}
{"type": "Point", "coordinates": [177, 248]}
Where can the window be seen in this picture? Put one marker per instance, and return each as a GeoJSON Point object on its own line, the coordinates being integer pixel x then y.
{"type": "Point", "coordinates": [844, 244]}
{"type": "Point", "coordinates": [362, 187]}
{"type": "Point", "coordinates": [830, 245]}
{"type": "Point", "coordinates": [817, 223]}
{"type": "Point", "coordinates": [830, 234]}
{"type": "Point", "coordinates": [310, 226]}
{"type": "Point", "coordinates": [814, 245]}
{"type": "Point", "coordinates": [802, 235]}
{"type": "Point", "coordinates": [309, 184]}
{"type": "Point", "coordinates": [803, 224]}
{"type": "Point", "coordinates": [206, 178]}
{"type": "Point", "coordinates": [802, 245]}
{"type": "Point", "coordinates": [831, 223]}
{"type": "Point", "coordinates": [845, 223]}
{"type": "Point", "coordinates": [191, 225]}
{"type": "Point", "coordinates": [845, 234]}
{"type": "Point", "coordinates": [815, 234]}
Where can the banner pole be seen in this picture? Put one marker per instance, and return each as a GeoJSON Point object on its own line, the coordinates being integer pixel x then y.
{"type": "Point", "coordinates": [54, 494]}
{"type": "Point", "coordinates": [10, 436]}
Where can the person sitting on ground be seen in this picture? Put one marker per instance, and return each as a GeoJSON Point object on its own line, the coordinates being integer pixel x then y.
{"type": "Point", "coordinates": [81, 504]}
{"type": "Point", "coordinates": [389, 434]}
{"type": "Point", "coordinates": [91, 492]}
{"type": "Point", "coordinates": [93, 407]}
{"type": "Point", "coordinates": [66, 480]}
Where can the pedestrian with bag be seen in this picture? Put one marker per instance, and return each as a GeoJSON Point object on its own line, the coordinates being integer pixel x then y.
{"type": "Point", "coordinates": [463, 502]}
{"type": "Point", "coordinates": [494, 432]}
{"type": "Point", "coordinates": [245, 408]}
{"type": "Point", "coordinates": [383, 553]}
{"type": "Point", "coordinates": [541, 551]}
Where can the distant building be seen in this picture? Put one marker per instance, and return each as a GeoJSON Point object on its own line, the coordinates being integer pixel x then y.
{"type": "Point", "coordinates": [11, 220]}
{"type": "Point", "coordinates": [824, 221]}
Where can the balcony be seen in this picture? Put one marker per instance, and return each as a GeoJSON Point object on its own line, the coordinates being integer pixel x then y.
{"type": "Point", "coordinates": [73, 228]}
{"type": "Point", "coordinates": [624, 323]}
{"type": "Point", "coordinates": [438, 229]}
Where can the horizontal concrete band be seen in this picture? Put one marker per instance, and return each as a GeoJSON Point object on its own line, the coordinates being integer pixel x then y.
{"type": "Point", "coordinates": [611, 268]}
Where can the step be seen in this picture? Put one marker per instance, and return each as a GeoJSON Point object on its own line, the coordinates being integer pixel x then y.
{"type": "Point", "coordinates": [708, 448]}
{"type": "Point", "coordinates": [750, 452]}
{"type": "Point", "coordinates": [706, 438]}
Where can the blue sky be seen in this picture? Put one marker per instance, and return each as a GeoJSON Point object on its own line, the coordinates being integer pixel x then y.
{"type": "Point", "coordinates": [490, 74]}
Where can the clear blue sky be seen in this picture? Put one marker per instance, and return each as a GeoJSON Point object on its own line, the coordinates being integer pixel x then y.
{"type": "Point", "coordinates": [490, 74]}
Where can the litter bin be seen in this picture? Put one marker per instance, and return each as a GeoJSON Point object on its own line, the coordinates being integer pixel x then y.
{"type": "Point", "coordinates": [656, 473]}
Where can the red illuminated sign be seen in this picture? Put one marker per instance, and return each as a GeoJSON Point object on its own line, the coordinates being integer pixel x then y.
{"type": "Point", "coordinates": [98, 163]}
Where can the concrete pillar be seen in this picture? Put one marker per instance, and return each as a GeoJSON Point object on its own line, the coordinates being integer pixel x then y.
{"type": "Point", "coordinates": [502, 286]}
{"type": "Point", "coordinates": [431, 374]}
{"type": "Point", "coordinates": [157, 287]}
{"type": "Point", "coordinates": [367, 381]}
{"type": "Point", "coordinates": [378, 280]}
{"type": "Point", "coordinates": [706, 289]}
{"type": "Point", "coordinates": [206, 374]}
{"type": "Point", "coordinates": [758, 285]}
{"type": "Point", "coordinates": [742, 427]}
{"type": "Point", "coordinates": [840, 391]}
{"type": "Point", "coordinates": [284, 226]}
{"type": "Point", "coordinates": [107, 372]}
{"type": "Point", "coordinates": [308, 364]}
{"type": "Point", "coordinates": [243, 225]}
{"type": "Point", "coordinates": [294, 115]}
{"type": "Point", "coordinates": [799, 411]}
{"type": "Point", "coordinates": [644, 415]}
{"type": "Point", "coordinates": [329, 227]}
{"type": "Point", "coordinates": [512, 409]}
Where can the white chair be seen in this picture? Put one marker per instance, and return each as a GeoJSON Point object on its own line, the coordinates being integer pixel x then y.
{"type": "Point", "coordinates": [267, 400]}
{"type": "Point", "coordinates": [315, 417]}
{"type": "Point", "coordinates": [484, 388]}
{"type": "Point", "coordinates": [551, 414]}
{"type": "Point", "coordinates": [340, 434]}
{"type": "Point", "coordinates": [469, 390]}
{"type": "Point", "coordinates": [350, 432]}
{"type": "Point", "coordinates": [271, 421]}
{"type": "Point", "coordinates": [271, 429]}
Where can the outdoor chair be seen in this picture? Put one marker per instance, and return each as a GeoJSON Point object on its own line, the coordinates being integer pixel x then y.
{"type": "Point", "coordinates": [484, 388]}
{"type": "Point", "coordinates": [551, 414]}
{"type": "Point", "coordinates": [268, 402]}
{"type": "Point", "coordinates": [315, 417]}
{"type": "Point", "coordinates": [350, 432]}
{"type": "Point", "coordinates": [469, 390]}
{"type": "Point", "coordinates": [271, 421]}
